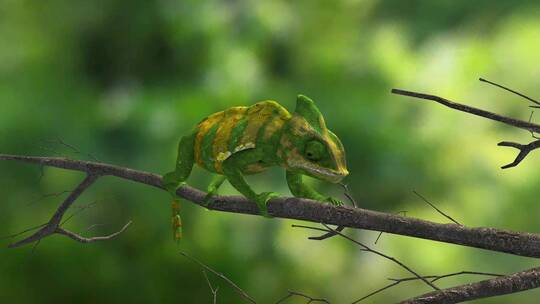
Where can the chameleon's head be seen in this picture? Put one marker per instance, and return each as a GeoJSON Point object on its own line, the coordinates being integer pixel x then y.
{"type": "Point", "coordinates": [308, 147]}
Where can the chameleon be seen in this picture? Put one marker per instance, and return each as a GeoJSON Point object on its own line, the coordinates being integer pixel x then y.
{"type": "Point", "coordinates": [244, 140]}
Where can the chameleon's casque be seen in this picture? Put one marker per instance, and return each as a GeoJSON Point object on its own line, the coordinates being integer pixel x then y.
{"type": "Point", "coordinates": [247, 140]}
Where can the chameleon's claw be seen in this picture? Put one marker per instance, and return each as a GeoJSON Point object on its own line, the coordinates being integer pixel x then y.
{"type": "Point", "coordinates": [262, 200]}
{"type": "Point", "coordinates": [208, 198]}
{"type": "Point", "coordinates": [334, 201]}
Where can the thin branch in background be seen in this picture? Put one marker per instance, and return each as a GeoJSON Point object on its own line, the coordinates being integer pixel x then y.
{"type": "Point", "coordinates": [437, 209]}
{"type": "Point", "coordinates": [74, 150]}
{"type": "Point", "coordinates": [93, 226]}
{"type": "Point", "coordinates": [501, 285]}
{"type": "Point", "coordinates": [526, 125]}
{"type": "Point", "coordinates": [432, 278]}
{"type": "Point", "coordinates": [78, 211]}
{"type": "Point", "coordinates": [326, 235]}
{"type": "Point", "coordinates": [365, 248]}
{"type": "Point", "coordinates": [83, 239]}
{"type": "Point", "coordinates": [239, 290]}
{"type": "Point", "coordinates": [347, 193]}
{"type": "Point", "coordinates": [512, 91]}
{"type": "Point", "coordinates": [299, 294]}
{"type": "Point", "coordinates": [381, 233]}
{"type": "Point", "coordinates": [41, 173]}
{"type": "Point", "coordinates": [48, 195]}
{"type": "Point", "coordinates": [214, 291]}
{"type": "Point", "coordinates": [22, 232]}
{"type": "Point", "coordinates": [471, 110]}
{"type": "Point", "coordinates": [532, 133]}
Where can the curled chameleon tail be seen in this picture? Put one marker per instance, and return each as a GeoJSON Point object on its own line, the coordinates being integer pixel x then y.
{"type": "Point", "coordinates": [176, 220]}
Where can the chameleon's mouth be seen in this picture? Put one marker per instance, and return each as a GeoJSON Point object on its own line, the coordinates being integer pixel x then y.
{"type": "Point", "coordinates": [329, 175]}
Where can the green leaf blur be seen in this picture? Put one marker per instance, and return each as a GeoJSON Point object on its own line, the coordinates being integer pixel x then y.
{"type": "Point", "coordinates": [123, 80]}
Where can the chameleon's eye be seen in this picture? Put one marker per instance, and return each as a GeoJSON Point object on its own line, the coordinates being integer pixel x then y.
{"type": "Point", "coordinates": [314, 150]}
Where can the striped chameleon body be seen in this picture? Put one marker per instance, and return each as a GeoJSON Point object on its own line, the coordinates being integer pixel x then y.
{"type": "Point", "coordinates": [237, 129]}
{"type": "Point", "coordinates": [247, 140]}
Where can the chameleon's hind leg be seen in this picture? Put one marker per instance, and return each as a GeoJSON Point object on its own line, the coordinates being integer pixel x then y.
{"type": "Point", "coordinates": [232, 168]}
{"type": "Point", "coordinates": [217, 181]}
{"type": "Point", "coordinates": [171, 180]}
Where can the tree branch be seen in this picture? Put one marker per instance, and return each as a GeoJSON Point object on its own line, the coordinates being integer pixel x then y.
{"type": "Point", "coordinates": [475, 111]}
{"type": "Point", "coordinates": [518, 243]}
{"type": "Point", "coordinates": [526, 125]}
{"type": "Point", "coordinates": [513, 283]}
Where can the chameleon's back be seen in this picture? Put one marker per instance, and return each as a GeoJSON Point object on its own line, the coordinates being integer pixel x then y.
{"type": "Point", "coordinates": [238, 128]}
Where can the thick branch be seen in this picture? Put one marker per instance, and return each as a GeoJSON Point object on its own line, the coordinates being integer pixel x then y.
{"type": "Point", "coordinates": [513, 283]}
{"type": "Point", "coordinates": [518, 243]}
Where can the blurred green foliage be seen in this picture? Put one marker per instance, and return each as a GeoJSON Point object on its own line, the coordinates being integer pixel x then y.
{"type": "Point", "coordinates": [123, 80]}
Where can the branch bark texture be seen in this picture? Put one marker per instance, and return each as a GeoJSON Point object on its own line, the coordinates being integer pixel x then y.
{"type": "Point", "coordinates": [518, 243]}
{"type": "Point", "coordinates": [513, 283]}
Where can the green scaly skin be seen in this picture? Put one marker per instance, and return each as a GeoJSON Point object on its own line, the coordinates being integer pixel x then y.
{"type": "Point", "coordinates": [301, 144]}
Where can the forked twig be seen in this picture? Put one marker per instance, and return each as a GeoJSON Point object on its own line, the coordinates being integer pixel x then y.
{"type": "Point", "coordinates": [524, 150]}
{"type": "Point", "coordinates": [239, 290]}
{"type": "Point", "coordinates": [305, 296]}
{"type": "Point", "coordinates": [529, 126]}
{"type": "Point", "coordinates": [55, 223]}
{"type": "Point", "coordinates": [212, 289]}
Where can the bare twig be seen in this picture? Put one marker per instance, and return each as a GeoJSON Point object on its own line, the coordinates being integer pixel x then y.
{"type": "Point", "coordinates": [432, 278]}
{"type": "Point", "coordinates": [299, 294]}
{"type": "Point", "coordinates": [532, 133]}
{"type": "Point", "coordinates": [83, 239]}
{"type": "Point", "coordinates": [512, 91]}
{"type": "Point", "coordinates": [513, 283]}
{"type": "Point", "coordinates": [326, 235]}
{"type": "Point", "coordinates": [524, 150]}
{"type": "Point", "coordinates": [348, 194]}
{"type": "Point", "coordinates": [475, 111]}
{"type": "Point", "coordinates": [74, 150]}
{"type": "Point", "coordinates": [212, 289]}
{"type": "Point", "coordinates": [381, 233]}
{"type": "Point", "coordinates": [435, 207]}
{"type": "Point", "coordinates": [48, 195]}
{"type": "Point", "coordinates": [339, 228]}
{"type": "Point", "coordinates": [519, 243]}
{"type": "Point", "coordinates": [364, 247]}
{"type": "Point", "coordinates": [435, 278]}
{"type": "Point", "coordinates": [239, 290]}
{"type": "Point", "coordinates": [55, 223]}
{"type": "Point", "coordinates": [529, 126]}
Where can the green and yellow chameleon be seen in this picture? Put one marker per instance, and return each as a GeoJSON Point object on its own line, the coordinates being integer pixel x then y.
{"type": "Point", "coordinates": [247, 140]}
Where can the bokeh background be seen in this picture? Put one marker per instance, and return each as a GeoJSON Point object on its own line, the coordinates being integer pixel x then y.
{"type": "Point", "coordinates": [122, 80]}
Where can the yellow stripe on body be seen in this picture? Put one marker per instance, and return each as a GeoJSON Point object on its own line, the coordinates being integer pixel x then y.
{"type": "Point", "coordinates": [204, 126]}
{"type": "Point", "coordinates": [220, 145]}
{"type": "Point", "coordinates": [276, 124]}
{"type": "Point", "coordinates": [258, 114]}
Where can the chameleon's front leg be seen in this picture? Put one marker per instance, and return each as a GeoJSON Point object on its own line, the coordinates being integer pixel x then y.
{"type": "Point", "coordinates": [232, 170]}
{"type": "Point", "coordinates": [300, 189]}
